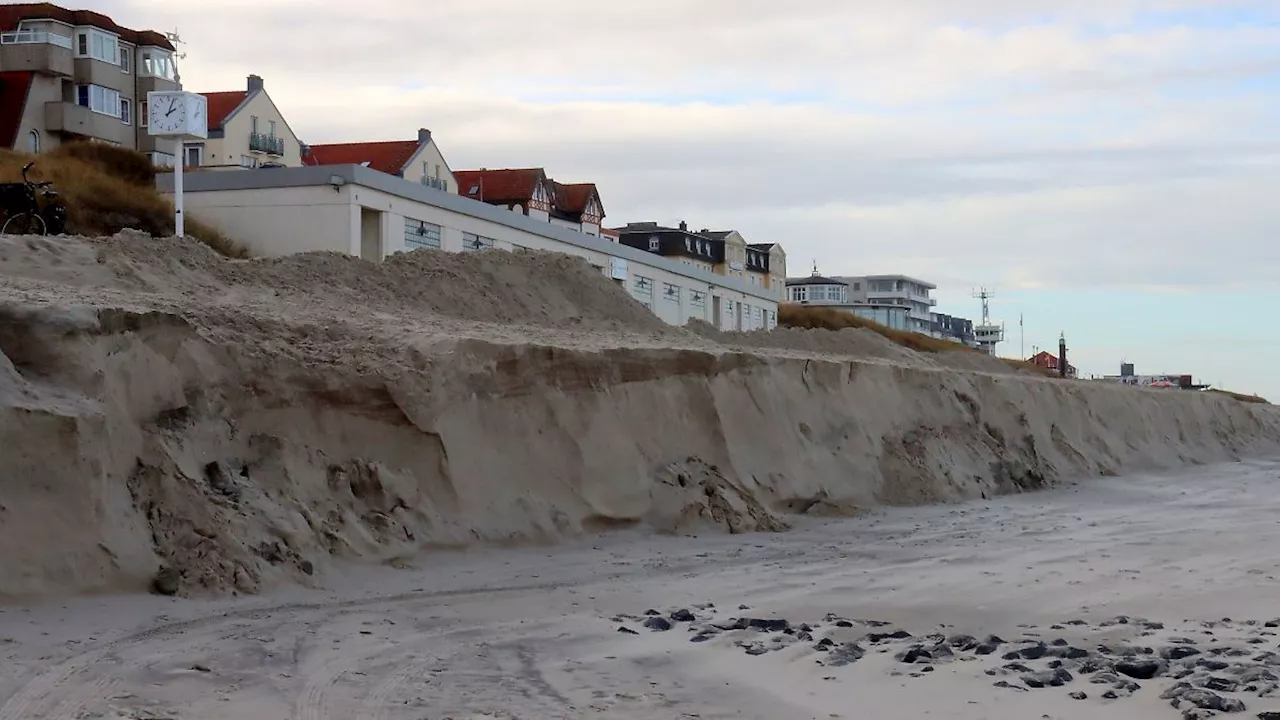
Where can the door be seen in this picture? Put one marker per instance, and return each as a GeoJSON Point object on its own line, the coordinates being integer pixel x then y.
{"type": "Point", "coordinates": [371, 243]}
{"type": "Point", "coordinates": [715, 311]}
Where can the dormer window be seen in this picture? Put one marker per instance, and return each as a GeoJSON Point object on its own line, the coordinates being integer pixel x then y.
{"type": "Point", "coordinates": [688, 245]}
{"type": "Point", "coordinates": [653, 244]}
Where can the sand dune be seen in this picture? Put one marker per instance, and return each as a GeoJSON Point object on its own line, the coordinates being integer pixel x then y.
{"type": "Point", "coordinates": [250, 424]}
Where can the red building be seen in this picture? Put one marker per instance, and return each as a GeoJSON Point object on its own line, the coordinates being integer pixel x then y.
{"type": "Point", "coordinates": [1049, 361]}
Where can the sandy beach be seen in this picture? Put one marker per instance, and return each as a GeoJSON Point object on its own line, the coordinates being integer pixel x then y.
{"type": "Point", "coordinates": [534, 632]}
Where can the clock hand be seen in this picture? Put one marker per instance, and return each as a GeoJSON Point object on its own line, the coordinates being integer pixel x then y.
{"type": "Point", "coordinates": [171, 109]}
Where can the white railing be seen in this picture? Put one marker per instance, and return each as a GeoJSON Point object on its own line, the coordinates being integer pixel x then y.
{"type": "Point", "coordinates": [35, 37]}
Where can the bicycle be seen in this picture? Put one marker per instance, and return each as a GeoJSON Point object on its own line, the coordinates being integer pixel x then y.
{"type": "Point", "coordinates": [23, 214]}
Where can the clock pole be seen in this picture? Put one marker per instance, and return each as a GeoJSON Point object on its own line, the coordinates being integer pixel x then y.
{"type": "Point", "coordinates": [180, 154]}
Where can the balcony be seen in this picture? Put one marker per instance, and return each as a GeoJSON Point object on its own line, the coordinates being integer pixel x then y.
{"type": "Point", "coordinates": [76, 119]}
{"type": "Point", "coordinates": [36, 51]}
{"type": "Point", "coordinates": [436, 183]}
{"type": "Point", "coordinates": [268, 144]}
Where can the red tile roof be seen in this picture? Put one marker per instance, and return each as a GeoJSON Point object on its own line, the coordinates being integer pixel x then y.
{"type": "Point", "coordinates": [14, 90]}
{"type": "Point", "coordinates": [221, 105]}
{"type": "Point", "coordinates": [11, 15]}
{"type": "Point", "coordinates": [500, 187]}
{"type": "Point", "coordinates": [389, 157]}
{"type": "Point", "coordinates": [574, 198]}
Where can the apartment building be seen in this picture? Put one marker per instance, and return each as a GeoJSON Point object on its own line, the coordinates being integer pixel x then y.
{"type": "Point", "coordinates": [529, 192]}
{"type": "Point", "coordinates": [69, 75]}
{"type": "Point", "coordinates": [417, 160]}
{"type": "Point", "coordinates": [246, 130]}
{"type": "Point", "coordinates": [837, 293]}
{"type": "Point", "coordinates": [900, 290]}
{"type": "Point", "coordinates": [679, 243]}
{"type": "Point", "coordinates": [724, 252]}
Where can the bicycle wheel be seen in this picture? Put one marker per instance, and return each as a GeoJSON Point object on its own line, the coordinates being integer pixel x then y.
{"type": "Point", "coordinates": [26, 223]}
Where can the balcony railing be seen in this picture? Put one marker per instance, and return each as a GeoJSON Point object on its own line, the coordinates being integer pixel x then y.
{"type": "Point", "coordinates": [436, 183]}
{"type": "Point", "coordinates": [34, 37]}
{"type": "Point", "coordinates": [268, 144]}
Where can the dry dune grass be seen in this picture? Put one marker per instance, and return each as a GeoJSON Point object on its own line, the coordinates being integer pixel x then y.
{"type": "Point", "coordinates": [108, 189]}
{"type": "Point", "coordinates": [806, 316]}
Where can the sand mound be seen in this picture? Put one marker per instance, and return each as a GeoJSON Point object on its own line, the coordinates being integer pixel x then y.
{"type": "Point", "coordinates": [244, 423]}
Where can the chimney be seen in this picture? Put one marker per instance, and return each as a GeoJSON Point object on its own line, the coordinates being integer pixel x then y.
{"type": "Point", "coordinates": [255, 83]}
{"type": "Point", "coordinates": [424, 136]}
{"type": "Point", "coordinates": [684, 225]}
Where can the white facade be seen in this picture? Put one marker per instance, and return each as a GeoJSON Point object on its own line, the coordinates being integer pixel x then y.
{"type": "Point", "coordinates": [362, 212]}
{"type": "Point", "coordinates": [902, 290]}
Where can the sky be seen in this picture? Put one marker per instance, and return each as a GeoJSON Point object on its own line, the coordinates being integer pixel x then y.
{"type": "Point", "coordinates": [1110, 169]}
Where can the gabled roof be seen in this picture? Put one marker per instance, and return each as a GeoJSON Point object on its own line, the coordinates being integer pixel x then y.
{"type": "Point", "coordinates": [765, 247]}
{"type": "Point", "coordinates": [499, 186]}
{"type": "Point", "coordinates": [222, 105]}
{"type": "Point", "coordinates": [574, 198]}
{"type": "Point", "coordinates": [11, 15]}
{"type": "Point", "coordinates": [15, 88]}
{"type": "Point", "coordinates": [389, 156]}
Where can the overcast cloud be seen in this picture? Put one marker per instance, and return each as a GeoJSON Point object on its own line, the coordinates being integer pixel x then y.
{"type": "Point", "coordinates": [1018, 144]}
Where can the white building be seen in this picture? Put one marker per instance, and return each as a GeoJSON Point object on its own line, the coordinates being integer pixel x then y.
{"type": "Point", "coordinates": [370, 214]}
{"type": "Point", "coordinates": [896, 290]}
{"type": "Point", "coordinates": [838, 294]}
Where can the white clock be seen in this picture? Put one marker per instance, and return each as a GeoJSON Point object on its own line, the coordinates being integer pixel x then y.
{"type": "Point", "coordinates": [177, 114]}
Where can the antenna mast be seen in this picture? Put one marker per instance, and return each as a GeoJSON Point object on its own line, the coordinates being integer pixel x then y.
{"type": "Point", "coordinates": [987, 335]}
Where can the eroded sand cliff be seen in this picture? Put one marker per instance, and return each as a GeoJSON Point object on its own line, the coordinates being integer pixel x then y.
{"type": "Point", "coordinates": [246, 422]}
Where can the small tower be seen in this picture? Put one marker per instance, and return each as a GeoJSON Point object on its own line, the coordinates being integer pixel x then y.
{"type": "Point", "coordinates": [987, 334]}
{"type": "Point", "coordinates": [1062, 354]}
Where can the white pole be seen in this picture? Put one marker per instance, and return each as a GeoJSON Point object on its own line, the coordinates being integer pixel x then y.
{"type": "Point", "coordinates": [178, 228]}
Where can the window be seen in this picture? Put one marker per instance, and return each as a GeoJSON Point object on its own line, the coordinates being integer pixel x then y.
{"type": "Point", "coordinates": [654, 244]}
{"type": "Point", "coordinates": [671, 292]}
{"type": "Point", "coordinates": [99, 99]}
{"type": "Point", "coordinates": [472, 241]}
{"type": "Point", "coordinates": [248, 161]}
{"type": "Point", "coordinates": [126, 59]}
{"type": "Point", "coordinates": [192, 155]}
{"type": "Point", "coordinates": [98, 45]}
{"type": "Point", "coordinates": [126, 111]}
{"type": "Point", "coordinates": [157, 63]}
{"type": "Point", "coordinates": [642, 288]}
{"type": "Point", "coordinates": [688, 245]}
{"type": "Point", "coordinates": [33, 142]}
{"type": "Point", "coordinates": [420, 234]}
{"type": "Point", "coordinates": [697, 298]}
{"type": "Point", "coordinates": [142, 114]}
{"type": "Point", "coordinates": [253, 123]}
{"type": "Point", "coordinates": [271, 128]}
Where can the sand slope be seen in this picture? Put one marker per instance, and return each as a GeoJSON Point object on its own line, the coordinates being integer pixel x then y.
{"type": "Point", "coordinates": [249, 423]}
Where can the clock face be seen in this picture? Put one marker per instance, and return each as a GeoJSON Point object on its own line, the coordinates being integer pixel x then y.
{"type": "Point", "coordinates": [167, 114]}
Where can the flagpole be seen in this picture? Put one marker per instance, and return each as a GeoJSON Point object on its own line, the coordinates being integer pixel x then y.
{"type": "Point", "coordinates": [1022, 342]}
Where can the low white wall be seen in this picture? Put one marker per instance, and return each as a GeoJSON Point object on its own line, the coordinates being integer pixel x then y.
{"type": "Point", "coordinates": [276, 221]}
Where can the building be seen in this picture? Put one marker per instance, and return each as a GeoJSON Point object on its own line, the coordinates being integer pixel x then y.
{"type": "Point", "coordinates": [724, 252]}
{"type": "Point", "coordinates": [1179, 381]}
{"type": "Point", "coordinates": [360, 211]}
{"type": "Point", "coordinates": [772, 267]}
{"type": "Point", "coordinates": [529, 192]}
{"type": "Point", "coordinates": [417, 160]}
{"type": "Point", "coordinates": [957, 329]}
{"type": "Point", "coordinates": [246, 130]}
{"type": "Point", "coordinates": [680, 243]}
{"type": "Point", "coordinates": [70, 75]}
{"type": "Point", "coordinates": [896, 290]}
{"type": "Point", "coordinates": [836, 293]}
{"type": "Point", "coordinates": [1049, 361]}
